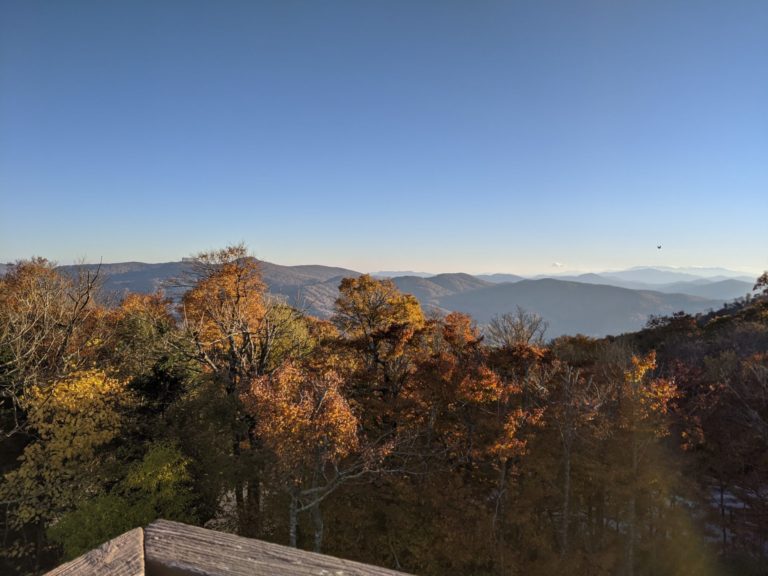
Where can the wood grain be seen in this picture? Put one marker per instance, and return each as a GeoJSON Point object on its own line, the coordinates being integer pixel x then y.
{"type": "Point", "coordinates": [173, 549]}
{"type": "Point", "coordinates": [121, 556]}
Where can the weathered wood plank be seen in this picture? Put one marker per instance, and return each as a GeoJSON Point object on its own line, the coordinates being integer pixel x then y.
{"type": "Point", "coordinates": [173, 549]}
{"type": "Point", "coordinates": [121, 556]}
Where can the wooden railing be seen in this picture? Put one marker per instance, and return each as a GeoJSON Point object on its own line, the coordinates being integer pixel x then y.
{"type": "Point", "coordinates": [172, 549]}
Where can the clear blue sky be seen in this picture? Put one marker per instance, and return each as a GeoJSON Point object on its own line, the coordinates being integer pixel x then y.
{"type": "Point", "coordinates": [442, 136]}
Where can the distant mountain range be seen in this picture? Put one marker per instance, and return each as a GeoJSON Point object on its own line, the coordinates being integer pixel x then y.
{"type": "Point", "coordinates": [716, 288]}
{"type": "Point", "coordinates": [591, 304]}
{"type": "Point", "coordinates": [396, 273]}
{"type": "Point", "coordinates": [501, 277]}
{"type": "Point", "coordinates": [575, 307]}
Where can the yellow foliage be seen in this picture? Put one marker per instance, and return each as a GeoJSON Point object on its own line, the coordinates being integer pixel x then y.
{"type": "Point", "coordinates": [640, 367]}
{"type": "Point", "coordinates": [367, 307]}
{"type": "Point", "coordinates": [71, 418]}
{"type": "Point", "coordinates": [651, 399]}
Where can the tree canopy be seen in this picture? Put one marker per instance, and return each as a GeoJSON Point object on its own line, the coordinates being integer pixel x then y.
{"type": "Point", "coordinates": [423, 443]}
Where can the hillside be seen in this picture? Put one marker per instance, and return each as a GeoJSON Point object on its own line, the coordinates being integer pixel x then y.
{"type": "Point", "coordinates": [429, 291]}
{"type": "Point", "coordinates": [571, 307]}
{"type": "Point", "coordinates": [719, 288]}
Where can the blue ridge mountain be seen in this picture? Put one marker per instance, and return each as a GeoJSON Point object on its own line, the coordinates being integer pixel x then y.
{"type": "Point", "coordinates": [575, 307]}
{"type": "Point", "coordinates": [498, 278]}
{"type": "Point", "coordinates": [397, 273]}
{"type": "Point", "coordinates": [717, 288]}
{"type": "Point", "coordinates": [591, 304]}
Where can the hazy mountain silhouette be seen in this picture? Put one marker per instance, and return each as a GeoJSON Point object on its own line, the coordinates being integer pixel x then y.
{"type": "Point", "coordinates": [593, 304]}
{"type": "Point", "coordinates": [725, 290]}
{"type": "Point", "coordinates": [397, 273]}
{"type": "Point", "coordinates": [498, 278]}
{"type": "Point", "coordinates": [571, 307]}
{"type": "Point", "coordinates": [714, 288]}
{"type": "Point", "coordinates": [429, 291]}
{"type": "Point", "coordinates": [665, 275]}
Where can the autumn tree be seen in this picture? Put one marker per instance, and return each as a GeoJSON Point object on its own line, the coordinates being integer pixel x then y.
{"type": "Point", "coordinates": [380, 323]}
{"type": "Point", "coordinates": [463, 425]}
{"type": "Point", "coordinates": [47, 327]}
{"type": "Point", "coordinates": [525, 368]}
{"type": "Point", "coordinates": [222, 311]}
{"type": "Point", "coordinates": [572, 404]}
{"type": "Point", "coordinates": [304, 419]}
{"type": "Point", "coordinates": [236, 330]}
{"type": "Point", "coordinates": [638, 408]}
{"type": "Point", "coordinates": [73, 419]}
{"type": "Point", "coordinates": [427, 511]}
{"type": "Point", "coordinates": [236, 333]}
{"type": "Point", "coordinates": [456, 389]}
{"type": "Point", "coordinates": [137, 334]}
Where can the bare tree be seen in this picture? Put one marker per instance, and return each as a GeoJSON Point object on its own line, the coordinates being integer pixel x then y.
{"type": "Point", "coordinates": [515, 328]}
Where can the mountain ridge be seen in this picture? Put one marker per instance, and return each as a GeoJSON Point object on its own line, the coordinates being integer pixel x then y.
{"type": "Point", "coordinates": [586, 303]}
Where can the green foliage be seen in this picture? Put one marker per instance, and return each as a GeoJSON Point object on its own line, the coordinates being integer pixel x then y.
{"type": "Point", "coordinates": [156, 487]}
{"type": "Point", "coordinates": [93, 522]}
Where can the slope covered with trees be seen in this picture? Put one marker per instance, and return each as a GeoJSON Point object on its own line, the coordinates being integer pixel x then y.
{"type": "Point", "coordinates": [383, 433]}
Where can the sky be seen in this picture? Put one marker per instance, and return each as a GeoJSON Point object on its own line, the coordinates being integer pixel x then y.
{"type": "Point", "coordinates": [444, 135]}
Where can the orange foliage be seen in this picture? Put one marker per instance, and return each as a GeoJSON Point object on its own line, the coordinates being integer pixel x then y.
{"type": "Point", "coordinates": [227, 303]}
{"type": "Point", "coordinates": [303, 418]}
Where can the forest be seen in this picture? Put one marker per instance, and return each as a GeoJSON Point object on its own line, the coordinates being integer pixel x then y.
{"type": "Point", "coordinates": [386, 434]}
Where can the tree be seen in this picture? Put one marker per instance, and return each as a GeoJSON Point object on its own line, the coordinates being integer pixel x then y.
{"type": "Point", "coordinates": [236, 333]}
{"type": "Point", "coordinates": [762, 283]}
{"type": "Point", "coordinates": [380, 323]}
{"type": "Point", "coordinates": [221, 313]}
{"type": "Point", "coordinates": [574, 403]}
{"type": "Point", "coordinates": [47, 328]}
{"type": "Point", "coordinates": [525, 370]}
{"type": "Point", "coordinates": [73, 420]}
{"type": "Point", "coordinates": [641, 407]}
{"type": "Point", "coordinates": [304, 419]}
{"type": "Point", "coordinates": [157, 486]}
{"type": "Point", "coordinates": [520, 327]}
{"type": "Point", "coordinates": [137, 334]}
{"type": "Point", "coordinates": [235, 329]}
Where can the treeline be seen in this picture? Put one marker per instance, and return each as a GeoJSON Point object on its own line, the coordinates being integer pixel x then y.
{"type": "Point", "coordinates": [384, 435]}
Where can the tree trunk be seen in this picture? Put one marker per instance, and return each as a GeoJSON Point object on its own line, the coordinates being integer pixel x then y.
{"type": "Point", "coordinates": [293, 521]}
{"type": "Point", "coordinates": [239, 485]}
{"type": "Point", "coordinates": [632, 512]}
{"type": "Point", "coordinates": [600, 516]}
{"type": "Point", "coordinates": [722, 517]}
{"type": "Point", "coordinates": [498, 517]}
{"type": "Point", "coordinates": [566, 500]}
{"type": "Point", "coordinates": [317, 520]}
